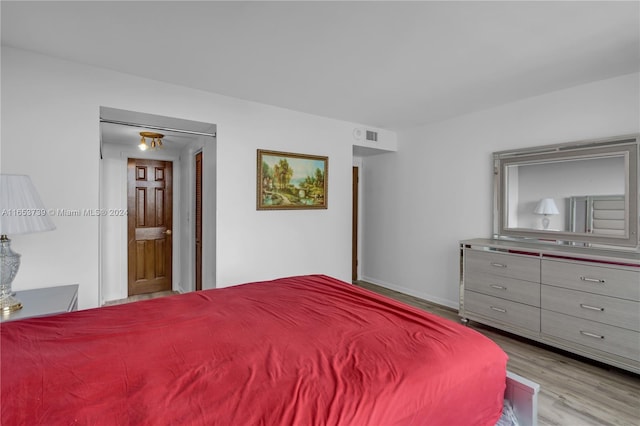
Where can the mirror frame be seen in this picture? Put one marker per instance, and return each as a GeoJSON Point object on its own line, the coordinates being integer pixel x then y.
{"type": "Point", "coordinates": [629, 146]}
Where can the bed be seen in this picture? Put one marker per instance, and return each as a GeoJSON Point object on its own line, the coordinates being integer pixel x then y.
{"type": "Point", "coordinates": [306, 350]}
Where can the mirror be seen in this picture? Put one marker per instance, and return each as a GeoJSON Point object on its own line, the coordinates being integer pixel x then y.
{"type": "Point", "coordinates": [597, 214]}
{"type": "Point", "coordinates": [581, 193]}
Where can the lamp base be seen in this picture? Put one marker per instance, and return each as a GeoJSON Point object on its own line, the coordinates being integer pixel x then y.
{"type": "Point", "coordinates": [9, 304]}
{"type": "Point", "coordinates": [9, 264]}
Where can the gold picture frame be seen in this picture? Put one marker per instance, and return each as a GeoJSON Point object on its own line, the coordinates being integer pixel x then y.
{"type": "Point", "coordinates": [288, 181]}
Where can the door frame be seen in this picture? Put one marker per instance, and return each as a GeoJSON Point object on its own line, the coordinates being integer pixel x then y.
{"type": "Point", "coordinates": [359, 163]}
{"type": "Point", "coordinates": [355, 209]}
{"type": "Point", "coordinates": [198, 219]}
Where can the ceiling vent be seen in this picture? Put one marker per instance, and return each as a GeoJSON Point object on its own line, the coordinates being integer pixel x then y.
{"type": "Point", "coordinates": [367, 135]}
{"type": "Point", "coordinates": [372, 136]}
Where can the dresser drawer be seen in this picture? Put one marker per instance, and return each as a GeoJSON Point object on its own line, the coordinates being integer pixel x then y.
{"type": "Point", "coordinates": [582, 276]}
{"type": "Point", "coordinates": [607, 338]}
{"type": "Point", "coordinates": [504, 287]}
{"type": "Point", "coordinates": [603, 309]}
{"type": "Point", "coordinates": [505, 311]}
{"type": "Point", "coordinates": [504, 265]}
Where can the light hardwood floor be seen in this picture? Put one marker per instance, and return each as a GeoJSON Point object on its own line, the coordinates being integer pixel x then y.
{"type": "Point", "coordinates": [140, 297]}
{"type": "Point", "coordinates": [574, 391]}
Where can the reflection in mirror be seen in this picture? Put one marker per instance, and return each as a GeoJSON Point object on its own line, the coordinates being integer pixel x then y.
{"type": "Point", "coordinates": [597, 214]}
{"type": "Point", "coordinates": [579, 193]}
{"type": "Point", "coordinates": [546, 207]}
{"type": "Point", "coordinates": [558, 182]}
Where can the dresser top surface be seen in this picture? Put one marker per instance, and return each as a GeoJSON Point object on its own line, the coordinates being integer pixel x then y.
{"type": "Point", "coordinates": [586, 253]}
{"type": "Point", "coordinates": [44, 301]}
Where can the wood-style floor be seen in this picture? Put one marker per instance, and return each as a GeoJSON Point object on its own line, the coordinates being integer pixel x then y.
{"type": "Point", "coordinates": [139, 297]}
{"type": "Point", "coordinates": [574, 391]}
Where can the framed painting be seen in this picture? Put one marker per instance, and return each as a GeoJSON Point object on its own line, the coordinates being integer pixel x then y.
{"type": "Point", "coordinates": [291, 181]}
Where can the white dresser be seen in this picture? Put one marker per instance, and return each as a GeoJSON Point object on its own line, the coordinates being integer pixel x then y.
{"type": "Point", "coordinates": [582, 300]}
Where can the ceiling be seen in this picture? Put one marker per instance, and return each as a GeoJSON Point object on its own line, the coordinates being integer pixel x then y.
{"type": "Point", "coordinates": [122, 127]}
{"type": "Point", "coordinates": [384, 64]}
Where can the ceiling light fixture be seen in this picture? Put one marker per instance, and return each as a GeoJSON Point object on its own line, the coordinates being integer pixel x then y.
{"type": "Point", "coordinates": [156, 140]}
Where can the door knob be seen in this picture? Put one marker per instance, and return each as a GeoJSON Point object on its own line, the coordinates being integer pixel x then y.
{"type": "Point", "coordinates": [168, 232]}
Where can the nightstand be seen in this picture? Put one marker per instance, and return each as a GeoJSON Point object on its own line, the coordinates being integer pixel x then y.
{"type": "Point", "coordinates": [45, 301]}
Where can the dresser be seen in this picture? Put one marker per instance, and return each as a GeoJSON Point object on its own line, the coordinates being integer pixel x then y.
{"type": "Point", "coordinates": [45, 301]}
{"type": "Point", "coordinates": [583, 300]}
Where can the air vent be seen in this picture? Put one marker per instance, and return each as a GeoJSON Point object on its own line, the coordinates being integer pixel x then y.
{"type": "Point", "coordinates": [372, 136]}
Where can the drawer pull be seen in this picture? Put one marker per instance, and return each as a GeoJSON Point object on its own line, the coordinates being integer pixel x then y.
{"type": "Point", "coordinates": [498, 265]}
{"type": "Point", "coordinates": [504, 311]}
{"type": "Point", "coordinates": [592, 280]}
{"type": "Point", "coordinates": [497, 287]}
{"type": "Point", "coordinates": [593, 308]}
{"type": "Point", "coordinates": [595, 336]}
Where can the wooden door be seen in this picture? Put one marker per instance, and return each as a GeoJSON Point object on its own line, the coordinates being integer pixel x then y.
{"type": "Point", "coordinates": [198, 221]}
{"type": "Point", "coordinates": [150, 204]}
{"type": "Point", "coordinates": [354, 227]}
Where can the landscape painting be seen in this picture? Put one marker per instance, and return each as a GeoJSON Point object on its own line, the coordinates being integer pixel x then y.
{"type": "Point", "coordinates": [291, 181]}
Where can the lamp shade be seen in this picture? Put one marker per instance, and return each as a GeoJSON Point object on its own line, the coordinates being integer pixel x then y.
{"type": "Point", "coordinates": [546, 206]}
{"type": "Point", "coordinates": [21, 210]}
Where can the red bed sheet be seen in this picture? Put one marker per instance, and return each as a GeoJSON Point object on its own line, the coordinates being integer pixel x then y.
{"type": "Point", "coordinates": [307, 350]}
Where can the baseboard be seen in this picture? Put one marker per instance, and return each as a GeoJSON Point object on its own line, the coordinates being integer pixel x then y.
{"type": "Point", "coordinates": [411, 292]}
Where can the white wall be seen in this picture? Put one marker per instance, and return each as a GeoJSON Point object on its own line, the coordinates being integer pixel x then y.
{"type": "Point", "coordinates": [50, 130]}
{"type": "Point", "coordinates": [437, 189]}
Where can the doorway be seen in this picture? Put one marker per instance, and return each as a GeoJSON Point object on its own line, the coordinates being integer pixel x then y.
{"type": "Point", "coordinates": [183, 139]}
{"type": "Point", "coordinates": [150, 226]}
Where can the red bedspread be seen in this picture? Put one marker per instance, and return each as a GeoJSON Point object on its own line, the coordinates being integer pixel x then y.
{"type": "Point", "coordinates": [295, 351]}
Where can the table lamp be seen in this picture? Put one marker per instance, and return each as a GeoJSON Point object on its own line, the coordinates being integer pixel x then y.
{"type": "Point", "coordinates": [21, 212]}
{"type": "Point", "coordinates": [546, 206]}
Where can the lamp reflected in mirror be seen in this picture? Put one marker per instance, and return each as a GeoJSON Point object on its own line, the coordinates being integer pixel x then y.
{"type": "Point", "coordinates": [546, 207]}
